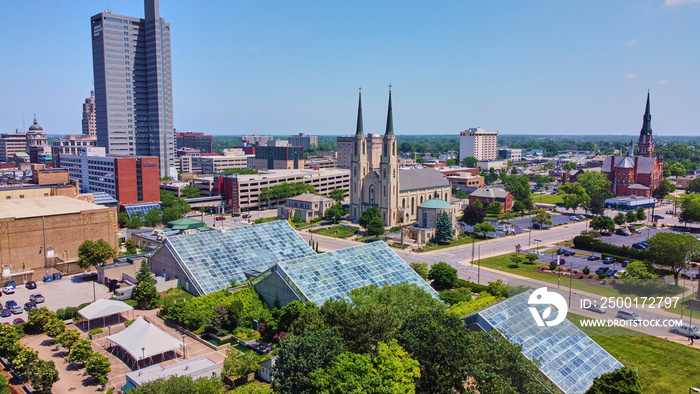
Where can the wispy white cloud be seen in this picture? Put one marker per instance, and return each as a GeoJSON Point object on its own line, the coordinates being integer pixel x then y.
{"type": "Point", "coordinates": [631, 42]}
{"type": "Point", "coordinates": [674, 3]}
{"type": "Point", "coordinates": [631, 75]}
{"type": "Point", "coordinates": [662, 82]}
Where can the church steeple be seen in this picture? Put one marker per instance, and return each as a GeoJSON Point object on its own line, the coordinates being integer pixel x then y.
{"type": "Point", "coordinates": [646, 140]}
{"type": "Point", "coordinates": [358, 130]}
{"type": "Point", "coordinates": [646, 126]}
{"type": "Point", "coordinates": [389, 118]}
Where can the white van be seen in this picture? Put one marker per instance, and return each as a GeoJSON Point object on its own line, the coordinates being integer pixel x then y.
{"type": "Point", "coordinates": [124, 293]}
{"type": "Point", "coordinates": [686, 330]}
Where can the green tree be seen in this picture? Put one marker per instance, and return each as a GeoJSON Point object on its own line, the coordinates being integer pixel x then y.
{"type": "Point", "coordinates": [569, 166]}
{"type": "Point", "coordinates": [23, 360]}
{"type": "Point", "coordinates": [542, 217]}
{"type": "Point", "coordinates": [338, 195]}
{"type": "Point", "coordinates": [469, 161]}
{"type": "Point", "coordinates": [38, 318]}
{"type": "Point", "coordinates": [631, 216]}
{"type": "Point", "coordinates": [620, 219]}
{"type": "Point", "coordinates": [361, 327]}
{"type": "Point", "coordinates": [80, 352]}
{"type": "Point", "coordinates": [170, 214]}
{"type": "Point", "coordinates": [693, 186]}
{"type": "Point", "coordinates": [444, 232]}
{"type": "Point", "coordinates": [603, 223]}
{"type": "Point", "coordinates": [237, 365]}
{"type": "Point", "coordinates": [641, 214]}
{"type": "Point", "coordinates": [518, 206]}
{"type": "Point", "coordinates": [421, 269]}
{"type": "Point", "coordinates": [4, 388]}
{"type": "Point", "coordinates": [168, 200]}
{"type": "Point", "coordinates": [473, 215]}
{"type": "Point", "coordinates": [531, 258]}
{"type": "Point", "coordinates": [484, 228]}
{"type": "Point", "coordinates": [516, 259]}
{"type": "Point", "coordinates": [392, 370]}
{"type": "Point", "coordinates": [452, 297]}
{"type": "Point", "coordinates": [597, 187]}
{"type": "Point", "coordinates": [335, 212]}
{"type": "Point", "coordinates": [518, 186]}
{"type": "Point", "coordinates": [136, 220]}
{"type": "Point", "coordinates": [131, 247]}
{"type": "Point", "coordinates": [673, 251]}
{"type": "Point", "coordinates": [68, 338]}
{"type": "Point", "coordinates": [676, 169]}
{"type": "Point", "coordinates": [123, 220]}
{"type": "Point", "coordinates": [299, 355]}
{"type": "Point", "coordinates": [640, 270]}
{"type": "Point", "coordinates": [182, 384]}
{"type": "Point", "coordinates": [494, 208]}
{"type": "Point", "coordinates": [296, 219]}
{"type": "Point", "coordinates": [623, 380]}
{"type": "Point", "coordinates": [154, 217]}
{"type": "Point", "coordinates": [98, 366]}
{"type": "Point", "coordinates": [690, 209]}
{"type": "Point", "coordinates": [443, 275]}
{"type": "Point", "coordinates": [400, 300]}
{"type": "Point", "coordinates": [44, 375]}
{"type": "Point", "coordinates": [190, 191]}
{"type": "Point", "coordinates": [93, 253]}
{"type": "Point", "coordinates": [665, 188]}
{"type": "Point", "coordinates": [145, 292]}
{"type": "Point", "coordinates": [9, 338]}
{"type": "Point", "coordinates": [54, 327]}
{"type": "Point", "coordinates": [371, 220]}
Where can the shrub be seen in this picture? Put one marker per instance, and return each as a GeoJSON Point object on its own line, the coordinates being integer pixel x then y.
{"type": "Point", "coordinates": [95, 331]}
{"type": "Point", "coordinates": [580, 277]}
{"type": "Point", "coordinates": [588, 243]}
{"type": "Point", "coordinates": [601, 275]}
{"type": "Point", "coordinates": [553, 265]}
{"type": "Point", "coordinates": [586, 270]}
{"type": "Point", "coordinates": [128, 322]}
{"type": "Point", "coordinates": [466, 307]}
{"type": "Point", "coordinates": [453, 297]}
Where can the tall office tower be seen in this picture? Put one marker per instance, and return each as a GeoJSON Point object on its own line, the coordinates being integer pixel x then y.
{"type": "Point", "coordinates": [479, 143]}
{"type": "Point", "coordinates": [133, 85]}
{"type": "Point", "coordinates": [89, 127]}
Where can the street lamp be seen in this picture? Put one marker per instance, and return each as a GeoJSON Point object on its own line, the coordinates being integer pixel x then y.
{"type": "Point", "coordinates": [143, 355]}
{"type": "Point", "coordinates": [537, 247]}
{"type": "Point", "coordinates": [184, 355]}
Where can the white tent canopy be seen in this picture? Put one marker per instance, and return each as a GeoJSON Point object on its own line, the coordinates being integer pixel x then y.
{"type": "Point", "coordinates": [104, 308]}
{"type": "Point", "coordinates": [142, 340]}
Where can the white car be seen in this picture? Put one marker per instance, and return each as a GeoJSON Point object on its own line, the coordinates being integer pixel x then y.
{"type": "Point", "coordinates": [8, 290]}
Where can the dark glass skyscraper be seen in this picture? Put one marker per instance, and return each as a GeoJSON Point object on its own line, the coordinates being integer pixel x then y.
{"type": "Point", "coordinates": [133, 85]}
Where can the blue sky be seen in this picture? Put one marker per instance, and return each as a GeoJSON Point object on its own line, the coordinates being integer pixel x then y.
{"type": "Point", "coordinates": [284, 67]}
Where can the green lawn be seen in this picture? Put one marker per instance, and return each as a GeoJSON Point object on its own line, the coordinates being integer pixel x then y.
{"type": "Point", "coordinates": [342, 232]}
{"type": "Point", "coordinates": [504, 263]}
{"type": "Point", "coordinates": [548, 199]}
{"type": "Point", "coordinates": [663, 366]}
{"type": "Point", "coordinates": [685, 302]}
{"type": "Point", "coordinates": [265, 220]}
{"type": "Point", "coordinates": [462, 240]}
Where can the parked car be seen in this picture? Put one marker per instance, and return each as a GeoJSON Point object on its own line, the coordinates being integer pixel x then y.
{"type": "Point", "coordinates": [575, 218]}
{"type": "Point", "coordinates": [644, 243]}
{"type": "Point", "coordinates": [610, 273]}
{"type": "Point", "coordinates": [638, 245]}
{"type": "Point", "coordinates": [538, 226]}
{"type": "Point", "coordinates": [608, 260]}
{"type": "Point", "coordinates": [57, 276]}
{"type": "Point", "coordinates": [48, 278]}
{"type": "Point", "coordinates": [235, 215]}
{"type": "Point", "coordinates": [10, 303]}
{"type": "Point", "coordinates": [620, 231]}
{"type": "Point", "coordinates": [5, 312]}
{"type": "Point", "coordinates": [562, 261]}
{"type": "Point", "coordinates": [38, 298]}
{"type": "Point", "coordinates": [16, 309]}
{"type": "Point", "coordinates": [686, 330]}
{"type": "Point", "coordinates": [30, 285]}
{"type": "Point", "coordinates": [593, 258]}
{"type": "Point", "coordinates": [627, 315]}
{"type": "Point", "coordinates": [658, 217]}
{"type": "Point", "coordinates": [18, 320]}
{"type": "Point", "coordinates": [669, 212]}
{"type": "Point", "coordinates": [601, 270]}
{"type": "Point", "coordinates": [625, 262]}
{"type": "Point", "coordinates": [28, 306]}
{"type": "Point", "coordinates": [596, 308]}
{"type": "Point", "coordinates": [246, 216]}
{"type": "Point", "coordinates": [220, 218]}
{"type": "Point", "coordinates": [8, 290]}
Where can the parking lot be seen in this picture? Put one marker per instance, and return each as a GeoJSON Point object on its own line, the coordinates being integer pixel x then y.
{"type": "Point", "coordinates": [69, 291]}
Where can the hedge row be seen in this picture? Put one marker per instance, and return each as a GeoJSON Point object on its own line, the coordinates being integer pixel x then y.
{"type": "Point", "coordinates": [594, 245]}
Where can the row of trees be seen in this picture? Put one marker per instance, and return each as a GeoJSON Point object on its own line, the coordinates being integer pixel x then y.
{"type": "Point", "coordinates": [283, 191]}
{"type": "Point", "coordinates": [173, 208]}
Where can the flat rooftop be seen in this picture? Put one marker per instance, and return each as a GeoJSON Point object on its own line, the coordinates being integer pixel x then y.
{"type": "Point", "coordinates": [184, 368]}
{"type": "Point", "coordinates": [45, 206]}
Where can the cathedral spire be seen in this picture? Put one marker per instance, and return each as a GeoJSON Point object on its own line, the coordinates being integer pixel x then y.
{"type": "Point", "coordinates": [358, 130]}
{"type": "Point", "coordinates": [646, 126]}
{"type": "Point", "coordinates": [389, 118]}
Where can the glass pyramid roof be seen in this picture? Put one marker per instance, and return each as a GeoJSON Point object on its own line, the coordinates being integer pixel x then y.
{"type": "Point", "coordinates": [331, 275]}
{"type": "Point", "coordinates": [133, 209]}
{"type": "Point", "coordinates": [568, 357]}
{"type": "Point", "coordinates": [213, 258]}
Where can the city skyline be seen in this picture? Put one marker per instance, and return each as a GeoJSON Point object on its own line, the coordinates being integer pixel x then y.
{"type": "Point", "coordinates": [281, 69]}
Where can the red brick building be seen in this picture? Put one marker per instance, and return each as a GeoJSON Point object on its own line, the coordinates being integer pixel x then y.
{"type": "Point", "coordinates": [636, 175]}
{"type": "Point", "coordinates": [487, 195]}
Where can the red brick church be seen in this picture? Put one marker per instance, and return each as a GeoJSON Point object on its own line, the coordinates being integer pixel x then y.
{"type": "Point", "coordinates": [636, 175]}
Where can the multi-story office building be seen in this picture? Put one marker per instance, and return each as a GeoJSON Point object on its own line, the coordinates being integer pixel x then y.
{"type": "Point", "coordinates": [346, 144]}
{"type": "Point", "coordinates": [279, 158]}
{"type": "Point", "coordinates": [133, 85]}
{"type": "Point", "coordinates": [303, 140]}
{"type": "Point", "coordinates": [253, 140]}
{"type": "Point", "coordinates": [89, 121]}
{"type": "Point", "coordinates": [511, 154]}
{"type": "Point", "coordinates": [479, 143]}
{"type": "Point", "coordinates": [199, 141]}
{"type": "Point", "coordinates": [130, 180]}
{"type": "Point", "coordinates": [241, 192]}
{"type": "Point", "coordinates": [71, 145]}
{"type": "Point", "coordinates": [216, 164]}
{"type": "Point", "coordinates": [278, 143]}
{"type": "Point", "coordinates": [10, 144]}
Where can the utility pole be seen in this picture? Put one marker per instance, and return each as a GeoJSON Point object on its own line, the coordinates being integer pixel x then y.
{"type": "Point", "coordinates": [478, 269]}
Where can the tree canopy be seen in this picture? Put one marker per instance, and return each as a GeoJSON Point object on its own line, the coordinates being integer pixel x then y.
{"type": "Point", "coordinates": [443, 275]}
{"type": "Point", "coordinates": [338, 195]}
{"type": "Point", "coordinates": [93, 253]}
{"type": "Point", "coordinates": [444, 232]}
{"type": "Point", "coordinates": [371, 220]}
{"type": "Point", "coordinates": [469, 161]}
{"type": "Point", "coordinates": [673, 251]}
